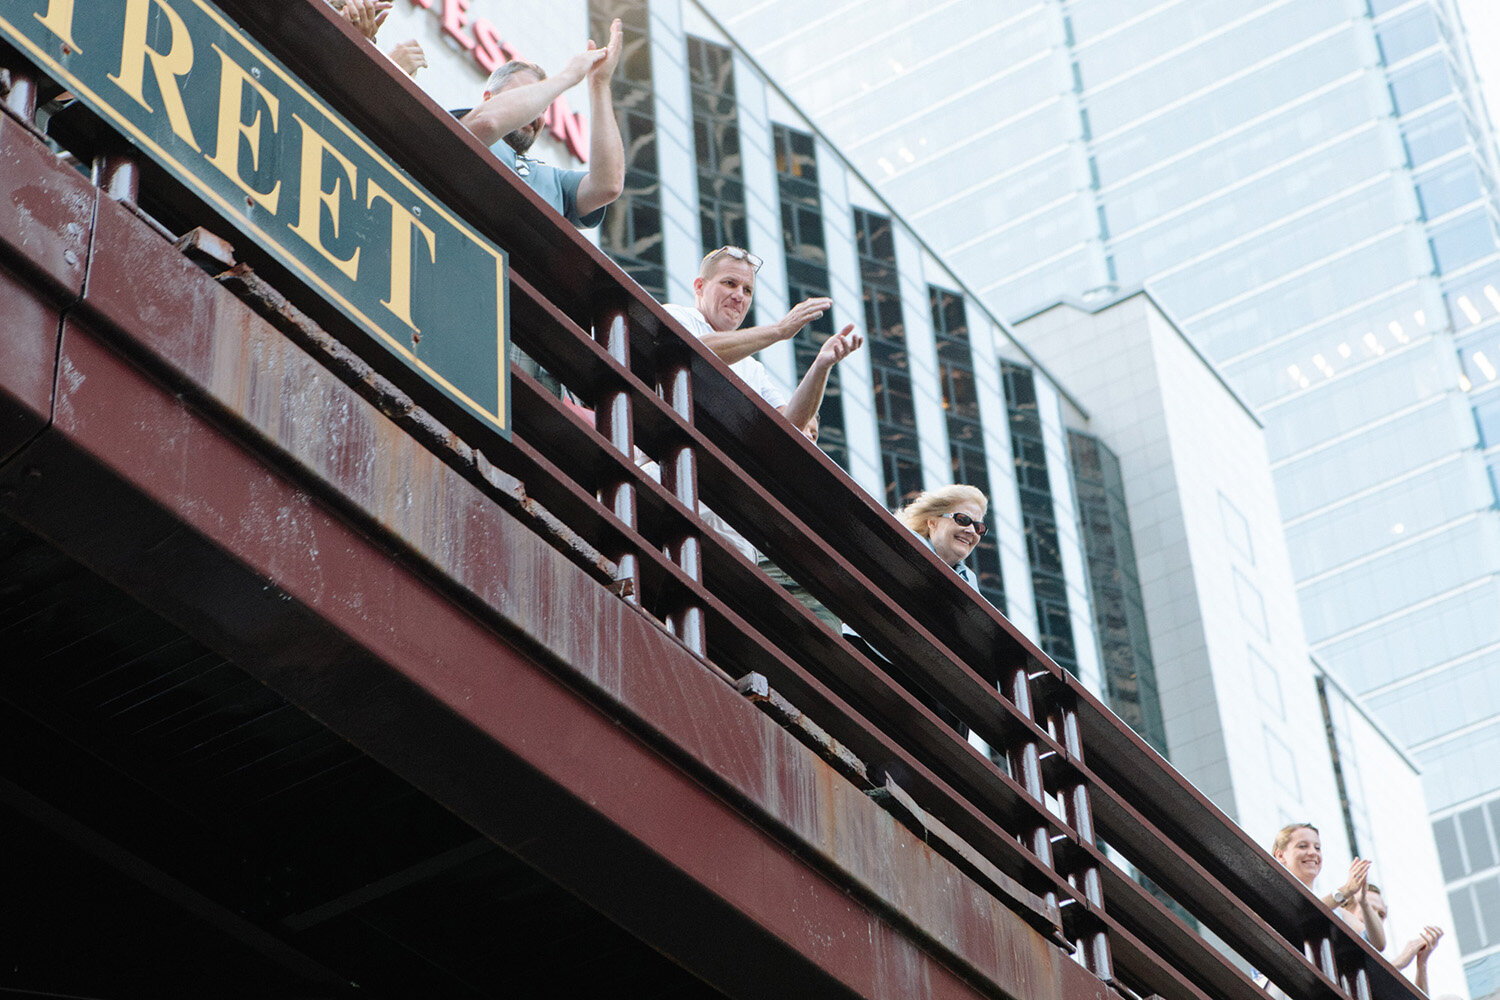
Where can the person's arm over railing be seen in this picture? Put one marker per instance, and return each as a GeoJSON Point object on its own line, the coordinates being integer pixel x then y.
{"type": "Point", "coordinates": [501, 114]}
{"type": "Point", "coordinates": [1374, 926]}
{"type": "Point", "coordinates": [606, 177]}
{"type": "Point", "coordinates": [808, 396]}
{"type": "Point", "coordinates": [736, 345]}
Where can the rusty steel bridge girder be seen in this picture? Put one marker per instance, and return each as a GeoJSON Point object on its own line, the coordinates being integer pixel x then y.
{"type": "Point", "coordinates": [288, 524]}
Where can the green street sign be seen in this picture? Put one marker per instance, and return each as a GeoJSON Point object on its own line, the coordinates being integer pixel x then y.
{"type": "Point", "coordinates": [186, 87]}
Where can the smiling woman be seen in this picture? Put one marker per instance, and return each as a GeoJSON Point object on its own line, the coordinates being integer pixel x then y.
{"type": "Point", "coordinates": [1300, 849]}
{"type": "Point", "coordinates": [950, 520]}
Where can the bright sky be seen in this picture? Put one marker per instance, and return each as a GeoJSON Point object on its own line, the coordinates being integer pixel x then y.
{"type": "Point", "coordinates": [1482, 21]}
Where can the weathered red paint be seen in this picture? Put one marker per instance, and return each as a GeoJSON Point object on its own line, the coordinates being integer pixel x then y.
{"type": "Point", "coordinates": [45, 216]}
{"type": "Point", "coordinates": [383, 619]}
{"type": "Point", "coordinates": [224, 523]}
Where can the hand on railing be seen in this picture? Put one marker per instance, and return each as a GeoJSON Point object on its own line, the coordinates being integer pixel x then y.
{"type": "Point", "coordinates": [366, 15]}
{"type": "Point", "coordinates": [408, 55]}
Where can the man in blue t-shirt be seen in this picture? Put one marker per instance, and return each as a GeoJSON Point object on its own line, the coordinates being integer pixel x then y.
{"type": "Point", "coordinates": [509, 119]}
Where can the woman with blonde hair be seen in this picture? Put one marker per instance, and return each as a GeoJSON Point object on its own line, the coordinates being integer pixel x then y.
{"type": "Point", "coordinates": [950, 520]}
{"type": "Point", "coordinates": [1300, 849]}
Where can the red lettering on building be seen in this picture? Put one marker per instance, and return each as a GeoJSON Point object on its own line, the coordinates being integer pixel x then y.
{"type": "Point", "coordinates": [567, 128]}
{"type": "Point", "coordinates": [489, 51]}
{"type": "Point", "coordinates": [455, 19]}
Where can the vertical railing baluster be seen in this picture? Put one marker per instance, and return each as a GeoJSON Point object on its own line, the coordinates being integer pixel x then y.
{"type": "Point", "coordinates": [21, 98]}
{"type": "Point", "coordinates": [679, 473]}
{"type": "Point", "coordinates": [1361, 988]}
{"type": "Point", "coordinates": [1323, 950]}
{"type": "Point", "coordinates": [119, 175]}
{"type": "Point", "coordinates": [1080, 816]}
{"type": "Point", "coordinates": [1026, 766]}
{"type": "Point", "coordinates": [613, 419]}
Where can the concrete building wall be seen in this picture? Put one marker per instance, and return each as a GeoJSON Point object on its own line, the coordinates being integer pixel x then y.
{"type": "Point", "coordinates": [1237, 693]}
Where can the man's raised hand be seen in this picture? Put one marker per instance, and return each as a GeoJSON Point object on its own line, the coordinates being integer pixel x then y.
{"type": "Point", "coordinates": [578, 67]}
{"type": "Point", "coordinates": [839, 346]}
{"type": "Point", "coordinates": [605, 68]}
{"type": "Point", "coordinates": [801, 314]}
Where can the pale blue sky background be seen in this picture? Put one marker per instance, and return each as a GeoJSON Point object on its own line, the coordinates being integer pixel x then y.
{"type": "Point", "coordinates": [1482, 19]}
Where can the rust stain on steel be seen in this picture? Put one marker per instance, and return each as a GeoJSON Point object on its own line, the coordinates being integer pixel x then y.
{"type": "Point", "coordinates": [411, 418]}
{"type": "Point", "coordinates": [207, 478]}
{"type": "Point", "coordinates": [263, 375]}
{"type": "Point", "coordinates": [756, 688]}
{"type": "Point", "coordinates": [919, 895]}
{"type": "Point", "coordinates": [933, 831]}
{"type": "Point", "coordinates": [45, 209]}
{"type": "Point", "coordinates": [208, 250]}
{"type": "Point", "coordinates": [312, 426]}
{"type": "Point", "coordinates": [46, 214]}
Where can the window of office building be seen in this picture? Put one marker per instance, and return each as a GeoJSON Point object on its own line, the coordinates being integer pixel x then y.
{"type": "Point", "coordinates": [1469, 841]}
{"type": "Point", "coordinates": [950, 325]}
{"type": "Point", "coordinates": [1282, 764]}
{"type": "Point", "coordinates": [1476, 914]}
{"type": "Point", "coordinates": [807, 271]}
{"type": "Point", "coordinates": [1267, 683]}
{"type": "Point", "coordinates": [1422, 84]}
{"type": "Point", "coordinates": [1473, 298]}
{"type": "Point", "coordinates": [1119, 610]}
{"type": "Point", "coordinates": [632, 229]}
{"type": "Point", "coordinates": [1487, 419]}
{"type": "Point", "coordinates": [1236, 528]}
{"type": "Point", "coordinates": [1405, 36]}
{"type": "Point", "coordinates": [1252, 605]}
{"type": "Point", "coordinates": [1054, 626]}
{"type": "Point", "coordinates": [716, 135]}
{"type": "Point", "coordinates": [895, 415]}
{"type": "Point", "coordinates": [1436, 134]}
{"type": "Point", "coordinates": [1484, 976]}
{"type": "Point", "coordinates": [1464, 240]}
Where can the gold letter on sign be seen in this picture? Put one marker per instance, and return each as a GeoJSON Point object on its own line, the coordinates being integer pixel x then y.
{"type": "Point", "coordinates": [402, 224]}
{"type": "Point", "coordinates": [59, 21]}
{"type": "Point", "coordinates": [232, 125]}
{"type": "Point", "coordinates": [167, 67]}
{"type": "Point", "coordinates": [313, 197]}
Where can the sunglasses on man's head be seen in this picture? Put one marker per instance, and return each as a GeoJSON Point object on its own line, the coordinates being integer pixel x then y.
{"type": "Point", "coordinates": [738, 254]}
{"type": "Point", "coordinates": [965, 521]}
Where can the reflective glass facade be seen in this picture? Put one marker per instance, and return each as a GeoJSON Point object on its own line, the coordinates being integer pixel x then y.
{"type": "Point", "coordinates": [1287, 175]}
{"type": "Point", "coordinates": [807, 271]}
{"type": "Point", "coordinates": [1114, 582]}
{"type": "Point", "coordinates": [950, 328]}
{"type": "Point", "coordinates": [632, 229]}
{"type": "Point", "coordinates": [1309, 188]}
{"type": "Point", "coordinates": [1034, 485]}
{"type": "Point", "coordinates": [716, 135]}
{"type": "Point", "coordinates": [896, 416]}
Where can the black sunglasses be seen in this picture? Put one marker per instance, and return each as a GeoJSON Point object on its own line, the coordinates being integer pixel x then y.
{"type": "Point", "coordinates": [965, 521]}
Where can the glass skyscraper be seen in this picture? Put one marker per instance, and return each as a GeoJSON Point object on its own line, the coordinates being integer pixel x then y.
{"type": "Point", "coordinates": [1308, 187]}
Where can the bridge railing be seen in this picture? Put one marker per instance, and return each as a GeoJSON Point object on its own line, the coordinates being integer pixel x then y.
{"type": "Point", "coordinates": [1071, 806]}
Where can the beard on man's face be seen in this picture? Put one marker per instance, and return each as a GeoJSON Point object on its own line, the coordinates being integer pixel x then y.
{"type": "Point", "coordinates": [522, 139]}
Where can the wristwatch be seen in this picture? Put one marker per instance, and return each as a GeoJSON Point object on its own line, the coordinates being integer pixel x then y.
{"type": "Point", "coordinates": [1339, 899]}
